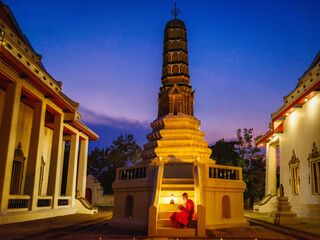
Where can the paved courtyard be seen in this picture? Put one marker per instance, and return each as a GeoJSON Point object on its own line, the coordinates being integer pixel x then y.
{"type": "Point", "coordinates": [82, 226]}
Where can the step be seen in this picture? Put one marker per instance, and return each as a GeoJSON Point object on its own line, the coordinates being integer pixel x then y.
{"type": "Point", "coordinates": [177, 200]}
{"type": "Point", "coordinates": [176, 232]}
{"type": "Point", "coordinates": [177, 181]}
{"type": "Point", "coordinates": [169, 207]}
{"type": "Point", "coordinates": [164, 214]}
{"type": "Point", "coordinates": [166, 223]}
{"type": "Point", "coordinates": [167, 215]}
{"type": "Point", "coordinates": [180, 187]}
{"type": "Point", "coordinates": [176, 193]}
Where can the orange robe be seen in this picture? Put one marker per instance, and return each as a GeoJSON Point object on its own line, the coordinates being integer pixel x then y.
{"type": "Point", "coordinates": [183, 217]}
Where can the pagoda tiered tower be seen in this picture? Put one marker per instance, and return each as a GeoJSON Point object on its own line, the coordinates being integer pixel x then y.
{"type": "Point", "coordinates": [175, 160]}
{"type": "Point", "coordinates": [175, 133]}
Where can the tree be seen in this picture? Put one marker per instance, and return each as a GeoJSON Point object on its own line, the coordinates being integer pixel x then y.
{"type": "Point", "coordinates": [103, 163]}
{"type": "Point", "coordinates": [224, 153]}
{"type": "Point", "coordinates": [253, 165]}
{"type": "Point", "coordinates": [97, 162]}
{"type": "Point", "coordinates": [242, 153]}
{"type": "Point", "coordinates": [124, 151]}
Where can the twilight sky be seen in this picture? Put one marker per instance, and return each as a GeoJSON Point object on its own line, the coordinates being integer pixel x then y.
{"type": "Point", "coordinates": [244, 56]}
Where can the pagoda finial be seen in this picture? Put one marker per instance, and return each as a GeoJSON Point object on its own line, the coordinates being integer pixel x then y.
{"type": "Point", "coordinates": [175, 11]}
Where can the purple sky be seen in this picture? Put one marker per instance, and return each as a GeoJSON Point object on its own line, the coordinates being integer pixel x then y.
{"type": "Point", "coordinates": [244, 56]}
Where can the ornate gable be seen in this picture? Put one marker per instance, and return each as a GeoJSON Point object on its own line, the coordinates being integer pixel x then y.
{"type": "Point", "coordinates": [174, 90]}
{"type": "Point", "coordinates": [294, 159]}
{"type": "Point", "coordinates": [314, 153]}
{"type": "Point", "coordinates": [18, 154]}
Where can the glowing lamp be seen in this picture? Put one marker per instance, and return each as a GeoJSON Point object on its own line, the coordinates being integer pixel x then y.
{"type": "Point", "coordinates": [306, 100]}
{"type": "Point", "coordinates": [287, 114]}
{"type": "Point", "coordinates": [172, 199]}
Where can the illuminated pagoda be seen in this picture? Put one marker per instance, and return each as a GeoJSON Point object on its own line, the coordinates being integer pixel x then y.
{"type": "Point", "coordinates": [176, 159]}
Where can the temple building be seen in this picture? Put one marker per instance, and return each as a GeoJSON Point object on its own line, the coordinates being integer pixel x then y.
{"type": "Point", "coordinates": [176, 159]}
{"type": "Point", "coordinates": [37, 122]}
{"type": "Point", "coordinates": [294, 141]}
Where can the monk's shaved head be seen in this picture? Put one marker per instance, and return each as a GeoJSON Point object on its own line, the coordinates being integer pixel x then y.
{"type": "Point", "coordinates": [185, 194]}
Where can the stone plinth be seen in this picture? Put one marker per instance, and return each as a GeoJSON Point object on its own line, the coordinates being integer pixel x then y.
{"type": "Point", "coordinates": [283, 214]}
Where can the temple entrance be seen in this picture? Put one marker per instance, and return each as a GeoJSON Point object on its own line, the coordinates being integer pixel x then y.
{"type": "Point", "coordinates": [89, 194]}
{"type": "Point", "coordinates": [65, 169]}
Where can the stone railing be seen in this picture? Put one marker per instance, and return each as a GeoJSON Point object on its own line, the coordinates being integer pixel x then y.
{"type": "Point", "coordinates": [18, 203]}
{"type": "Point", "coordinates": [133, 172]}
{"type": "Point", "coordinates": [64, 201]}
{"type": "Point", "coordinates": [225, 172]}
{"type": "Point", "coordinates": [44, 201]}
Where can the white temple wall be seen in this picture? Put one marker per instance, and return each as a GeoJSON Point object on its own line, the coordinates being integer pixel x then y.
{"type": "Point", "coordinates": [300, 129]}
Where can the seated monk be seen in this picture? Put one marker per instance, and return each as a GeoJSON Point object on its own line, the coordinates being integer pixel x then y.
{"type": "Point", "coordinates": [181, 219]}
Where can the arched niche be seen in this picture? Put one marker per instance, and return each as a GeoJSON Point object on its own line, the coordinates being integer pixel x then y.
{"type": "Point", "coordinates": [175, 57]}
{"type": "Point", "coordinates": [175, 45]}
{"type": "Point", "coordinates": [175, 69]}
{"type": "Point", "coordinates": [129, 207]}
{"type": "Point", "coordinates": [226, 211]}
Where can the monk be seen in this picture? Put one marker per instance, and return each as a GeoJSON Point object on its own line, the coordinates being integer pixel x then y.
{"type": "Point", "coordinates": [181, 219]}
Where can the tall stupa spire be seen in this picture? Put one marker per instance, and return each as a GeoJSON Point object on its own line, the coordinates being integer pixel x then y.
{"type": "Point", "coordinates": [175, 133]}
{"type": "Point", "coordinates": [176, 95]}
{"type": "Point", "coordinates": [175, 11]}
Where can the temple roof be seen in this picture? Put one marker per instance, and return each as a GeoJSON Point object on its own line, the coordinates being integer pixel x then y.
{"type": "Point", "coordinates": [175, 23]}
{"type": "Point", "coordinates": [9, 19]}
{"type": "Point", "coordinates": [315, 61]}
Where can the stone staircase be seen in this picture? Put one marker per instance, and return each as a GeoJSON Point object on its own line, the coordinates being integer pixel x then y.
{"type": "Point", "coordinates": [175, 186]}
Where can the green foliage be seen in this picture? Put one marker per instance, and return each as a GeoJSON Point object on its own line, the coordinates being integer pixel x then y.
{"type": "Point", "coordinates": [103, 163]}
{"type": "Point", "coordinates": [224, 153]}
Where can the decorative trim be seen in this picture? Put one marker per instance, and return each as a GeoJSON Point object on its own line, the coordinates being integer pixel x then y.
{"type": "Point", "coordinates": [314, 154]}
{"type": "Point", "coordinates": [294, 159]}
{"type": "Point", "coordinates": [43, 164]}
{"type": "Point", "coordinates": [19, 157]}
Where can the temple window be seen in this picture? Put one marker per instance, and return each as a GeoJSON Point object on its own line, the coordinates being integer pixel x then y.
{"type": "Point", "coordinates": [315, 169]}
{"type": "Point", "coordinates": [314, 163]}
{"type": "Point", "coordinates": [294, 179]}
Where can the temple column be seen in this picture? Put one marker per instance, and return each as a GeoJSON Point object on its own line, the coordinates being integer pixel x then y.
{"type": "Point", "coordinates": [72, 168]}
{"type": "Point", "coordinates": [82, 169]}
{"type": "Point", "coordinates": [56, 161]}
{"type": "Point", "coordinates": [34, 156]}
{"type": "Point", "coordinates": [271, 169]}
{"type": "Point", "coordinates": [8, 133]}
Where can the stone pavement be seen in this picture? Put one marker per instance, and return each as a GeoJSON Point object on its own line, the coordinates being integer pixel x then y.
{"type": "Point", "coordinates": [83, 226]}
{"type": "Point", "coordinates": [309, 225]}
